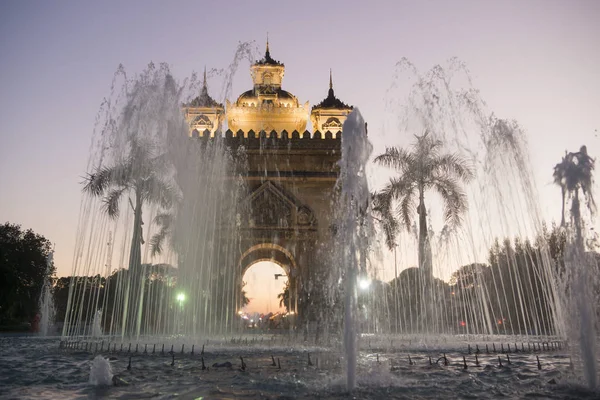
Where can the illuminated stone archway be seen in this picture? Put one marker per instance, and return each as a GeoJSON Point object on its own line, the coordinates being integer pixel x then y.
{"type": "Point", "coordinates": [287, 213]}
{"type": "Point", "coordinates": [289, 173]}
{"type": "Point", "coordinates": [276, 254]}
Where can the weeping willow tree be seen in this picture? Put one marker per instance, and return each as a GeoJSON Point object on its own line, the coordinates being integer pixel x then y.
{"type": "Point", "coordinates": [141, 177]}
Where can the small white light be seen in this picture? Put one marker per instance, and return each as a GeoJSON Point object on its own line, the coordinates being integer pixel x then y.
{"type": "Point", "coordinates": [364, 283]}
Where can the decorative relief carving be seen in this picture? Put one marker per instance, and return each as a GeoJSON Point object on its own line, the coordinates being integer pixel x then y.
{"type": "Point", "coordinates": [273, 212]}
{"type": "Point", "coordinates": [202, 120]}
{"type": "Point", "coordinates": [269, 210]}
{"type": "Point", "coordinates": [305, 216]}
{"type": "Point", "coordinates": [332, 122]}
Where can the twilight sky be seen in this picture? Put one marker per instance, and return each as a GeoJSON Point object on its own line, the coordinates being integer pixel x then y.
{"type": "Point", "coordinates": [535, 61]}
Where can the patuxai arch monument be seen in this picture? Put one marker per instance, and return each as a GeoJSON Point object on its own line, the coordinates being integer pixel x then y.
{"type": "Point", "coordinates": [289, 173]}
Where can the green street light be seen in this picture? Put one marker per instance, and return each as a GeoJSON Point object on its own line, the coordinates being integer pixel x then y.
{"type": "Point", "coordinates": [180, 298]}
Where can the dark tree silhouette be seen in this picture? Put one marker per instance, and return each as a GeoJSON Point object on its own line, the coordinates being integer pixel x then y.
{"type": "Point", "coordinates": [572, 174]}
{"type": "Point", "coordinates": [23, 269]}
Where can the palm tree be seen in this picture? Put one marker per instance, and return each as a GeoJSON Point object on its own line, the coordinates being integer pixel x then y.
{"type": "Point", "coordinates": [383, 215]}
{"type": "Point", "coordinates": [140, 176]}
{"type": "Point", "coordinates": [422, 168]}
{"type": "Point", "coordinates": [165, 221]}
{"type": "Point", "coordinates": [284, 297]}
{"type": "Point", "coordinates": [245, 300]}
{"type": "Point", "coordinates": [573, 173]}
{"type": "Point", "coordinates": [560, 179]}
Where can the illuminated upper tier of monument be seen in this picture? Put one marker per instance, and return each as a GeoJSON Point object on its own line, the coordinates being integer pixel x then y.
{"type": "Point", "coordinates": [265, 107]}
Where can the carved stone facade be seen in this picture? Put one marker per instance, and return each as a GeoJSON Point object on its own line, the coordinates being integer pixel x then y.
{"type": "Point", "coordinates": [290, 174]}
{"type": "Point", "coordinates": [289, 206]}
{"type": "Point", "coordinates": [286, 213]}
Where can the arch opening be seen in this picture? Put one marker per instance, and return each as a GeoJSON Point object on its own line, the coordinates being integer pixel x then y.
{"type": "Point", "coordinates": [264, 283]}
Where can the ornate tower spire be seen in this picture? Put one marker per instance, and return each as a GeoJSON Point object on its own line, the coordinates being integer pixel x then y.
{"type": "Point", "coordinates": [267, 52]}
{"type": "Point", "coordinates": [330, 92]}
{"type": "Point", "coordinates": [267, 107]}
{"type": "Point", "coordinates": [330, 114]}
{"type": "Point", "coordinates": [203, 112]}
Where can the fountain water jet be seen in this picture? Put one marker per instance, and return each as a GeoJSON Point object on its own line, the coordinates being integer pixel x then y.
{"type": "Point", "coordinates": [97, 325]}
{"type": "Point", "coordinates": [100, 372]}
{"type": "Point", "coordinates": [142, 165]}
{"type": "Point", "coordinates": [354, 202]}
{"type": "Point", "coordinates": [46, 302]}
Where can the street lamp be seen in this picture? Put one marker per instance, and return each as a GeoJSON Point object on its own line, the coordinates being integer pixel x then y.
{"type": "Point", "coordinates": [180, 298]}
{"type": "Point", "coordinates": [364, 283]}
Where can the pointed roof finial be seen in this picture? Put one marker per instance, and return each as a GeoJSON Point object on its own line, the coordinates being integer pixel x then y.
{"type": "Point", "coordinates": [331, 101]}
{"type": "Point", "coordinates": [204, 99]}
{"type": "Point", "coordinates": [267, 60]}
{"type": "Point", "coordinates": [267, 52]}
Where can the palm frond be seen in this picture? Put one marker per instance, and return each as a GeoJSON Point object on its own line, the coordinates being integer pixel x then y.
{"type": "Point", "coordinates": [381, 202]}
{"type": "Point", "coordinates": [157, 242]}
{"type": "Point", "coordinates": [426, 147]}
{"type": "Point", "coordinates": [586, 166]}
{"type": "Point", "coordinates": [158, 191]}
{"type": "Point", "coordinates": [396, 158]}
{"type": "Point", "coordinates": [164, 219]}
{"type": "Point", "coordinates": [104, 178]}
{"type": "Point", "coordinates": [407, 206]}
{"type": "Point", "coordinates": [454, 200]}
{"type": "Point", "coordinates": [111, 202]}
{"type": "Point", "coordinates": [399, 187]}
{"type": "Point", "coordinates": [382, 206]}
{"type": "Point", "coordinates": [560, 171]}
{"type": "Point", "coordinates": [574, 172]}
{"type": "Point", "coordinates": [122, 174]}
{"type": "Point", "coordinates": [453, 165]}
{"type": "Point", "coordinates": [98, 182]}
